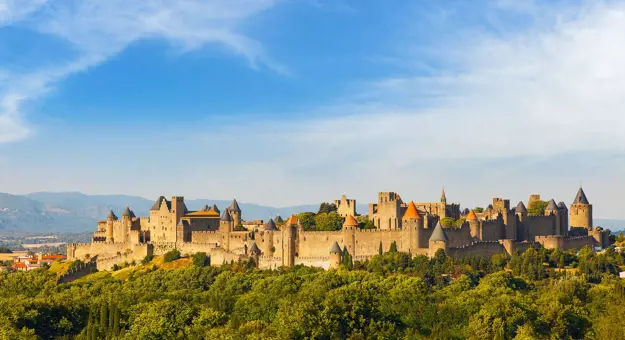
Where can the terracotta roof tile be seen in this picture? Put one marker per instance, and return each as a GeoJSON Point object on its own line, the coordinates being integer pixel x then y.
{"type": "Point", "coordinates": [350, 221]}
{"type": "Point", "coordinates": [412, 212]}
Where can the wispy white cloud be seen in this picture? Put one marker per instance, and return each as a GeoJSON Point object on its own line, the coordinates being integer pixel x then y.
{"type": "Point", "coordinates": [553, 88]}
{"type": "Point", "coordinates": [99, 30]}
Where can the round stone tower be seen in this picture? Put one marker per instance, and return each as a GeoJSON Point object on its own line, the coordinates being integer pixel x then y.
{"type": "Point", "coordinates": [335, 255]}
{"type": "Point", "coordinates": [581, 211]}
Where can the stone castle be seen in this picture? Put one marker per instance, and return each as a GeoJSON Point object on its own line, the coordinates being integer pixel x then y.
{"type": "Point", "coordinates": [415, 227]}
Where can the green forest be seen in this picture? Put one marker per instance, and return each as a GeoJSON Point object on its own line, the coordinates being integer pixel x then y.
{"type": "Point", "coordinates": [540, 294]}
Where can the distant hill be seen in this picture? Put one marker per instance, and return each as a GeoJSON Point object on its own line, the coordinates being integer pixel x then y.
{"type": "Point", "coordinates": [75, 211]}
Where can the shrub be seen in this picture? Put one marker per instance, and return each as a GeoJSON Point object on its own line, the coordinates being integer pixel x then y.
{"type": "Point", "coordinates": [147, 259]}
{"type": "Point", "coordinates": [171, 255]}
{"type": "Point", "coordinates": [200, 259]}
{"type": "Point", "coordinates": [115, 267]}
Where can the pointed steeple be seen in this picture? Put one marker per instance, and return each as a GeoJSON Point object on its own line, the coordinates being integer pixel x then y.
{"type": "Point", "coordinates": [439, 233]}
{"type": "Point", "coordinates": [126, 212]}
{"type": "Point", "coordinates": [580, 198]}
{"type": "Point", "coordinates": [552, 205]}
{"type": "Point", "coordinates": [279, 219]}
{"type": "Point", "coordinates": [412, 212]}
{"type": "Point", "coordinates": [226, 216]}
{"type": "Point", "coordinates": [562, 206]}
{"type": "Point", "coordinates": [254, 249]}
{"type": "Point", "coordinates": [215, 209]}
{"type": "Point", "coordinates": [336, 249]}
{"type": "Point", "coordinates": [111, 215]}
{"type": "Point", "coordinates": [471, 216]}
{"type": "Point", "coordinates": [520, 208]}
{"type": "Point", "coordinates": [235, 206]}
{"type": "Point", "coordinates": [271, 225]}
{"type": "Point", "coordinates": [350, 221]}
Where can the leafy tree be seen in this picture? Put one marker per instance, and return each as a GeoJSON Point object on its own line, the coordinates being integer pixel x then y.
{"type": "Point", "coordinates": [326, 208]}
{"type": "Point", "coordinates": [328, 221]}
{"type": "Point", "coordinates": [200, 259]}
{"type": "Point", "coordinates": [393, 248]}
{"type": "Point", "coordinates": [537, 208]}
{"type": "Point", "coordinates": [5, 250]}
{"type": "Point", "coordinates": [365, 223]}
{"type": "Point", "coordinates": [448, 222]}
{"type": "Point", "coordinates": [478, 210]}
{"type": "Point", "coordinates": [147, 259]}
{"type": "Point", "coordinates": [307, 220]}
{"type": "Point", "coordinates": [171, 255]}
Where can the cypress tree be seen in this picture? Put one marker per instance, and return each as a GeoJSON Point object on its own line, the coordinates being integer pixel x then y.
{"type": "Point", "coordinates": [381, 250]}
{"type": "Point", "coordinates": [116, 322]}
{"type": "Point", "coordinates": [90, 324]}
{"type": "Point", "coordinates": [103, 316]}
{"type": "Point", "coordinates": [393, 247]}
{"type": "Point", "coordinates": [111, 318]}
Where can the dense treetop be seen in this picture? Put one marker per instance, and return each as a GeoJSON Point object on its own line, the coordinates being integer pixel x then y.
{"type": "Point", "coordinates": [539, 294]}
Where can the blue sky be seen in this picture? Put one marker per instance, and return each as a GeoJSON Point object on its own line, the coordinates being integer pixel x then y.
{"type": "Point", "coordinates": [293, 102]}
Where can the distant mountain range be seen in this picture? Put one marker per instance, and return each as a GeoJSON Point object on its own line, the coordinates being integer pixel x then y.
{"type": "Point", "coordinates": [75, 211]}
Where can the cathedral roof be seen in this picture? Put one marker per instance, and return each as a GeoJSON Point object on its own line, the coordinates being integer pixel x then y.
{"type": "Point", "coordinates": [254, 249]}
{"type": "Point", "coordinates": [235, 206]}
{"type": "Point", "coordinates": [159, 202]}
{"type": "Point", "coordinates": [562, 206]}
{"type": "Point", "coordinates": [292, 220]}
{"type": "Point", "coordinates": [439, 233]}
{"type": "Point", "coordinates": [127, 212]}
{"type": "Point", "coordinates": [278, 219]}
{"type": "Point", "coordinates": [580, 198]}
{"type": "Point", "coordinates": [412, 212]}
{"type": "Point", "coordinates": [350, 221]}
{"type": "Point", "coordinates": [226, 216]}
{"type": "Point", "coordinates": [271, 225]}
{"type": "Point", "coordinates": [111, 215]}
{"type": "Point", "coordinates": [520, 208]}
{"type": "Point", "coordinates": [471, 216]}
{"type": "Point", "coordinates": [335, 249]}
{"type": "Point", "coordinates": [552, 205]}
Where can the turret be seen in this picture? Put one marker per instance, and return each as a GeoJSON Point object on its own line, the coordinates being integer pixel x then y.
{"type": "Point", "coordinates": [412, 228]}
{"type": "Point", "coordinates": [438, 240]}
{"type": "Point", "coordinates": [521, 211]}
{"type": "Point", "coordinates": [268, 233]}
{"type": "Point", "coordinates": [564, 218]}
{"type": "Point", "coordinates": [226, 227]}
{"type": "Point", "coordinates": [289, 230]}
{"type": "Point", "coordinates": [552, 210]}
{"type": "Point", "coordinates": [335, 255]}
{"type": "Point", "coordinates": [235, 211]}
{"type": "Point", "coordinates": [349, 234]}
{"type": "Point", "coordinates": [581, 211]}
{"type": "Point", "coordinates": [254, 252]}
{"type": "Point", "coordinates": [474, 225]}
{"type": "Point", "coordinates": [126, 223]}
{"type": "Point", "coordinates": [215, 209]}
{"type": "Point", "coordinates": [109, 226]}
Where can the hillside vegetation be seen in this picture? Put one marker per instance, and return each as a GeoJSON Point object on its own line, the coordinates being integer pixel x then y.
{"type": "Point", "coordinates": [540, 294]}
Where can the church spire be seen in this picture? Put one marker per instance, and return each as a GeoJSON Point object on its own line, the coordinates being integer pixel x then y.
{"type": "Point", "coordinates": [443, 196]}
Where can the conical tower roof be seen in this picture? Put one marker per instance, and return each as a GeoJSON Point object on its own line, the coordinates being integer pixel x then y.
{"type": "Point", "coordinates": [278, 219]}
{"type": "Point", "coordinates": [292, 220]}
{"type": "Point", "coordinates": [127, 212]}
{"type": "Point", "coordinates": [471, 216]}
{"type": "Point", "coordinates": [111, 215]}
{"type": "Point", "coordinates": [580, 198]}
{"type": "Point", "coordinates": [254, 249]}
{"type": "Point", "coordinates": [205, 208]}
{"type": "Point", "coordinates": [552, 205]}
{"type": "Point", "coordinates": [439, 233]}
{"type": "Point", "coordinates": [271, 225]}
{"type": "Point", "coordinates": [336, 249]}
{"type": "Point", "coordinates": [215, 209]}
{"type": "Point", "coordinates": [562, 206]}
{"type": "Point", "coordinates": [520, 208]}
{"type": "Point", "coordinates": [412, 212]}
{"type": "Point", "coordinates": [225, 217]}
{"type": "Point", "coordinates": [350, 221]}
{"type": "Point", "coordinates": [235, 206]}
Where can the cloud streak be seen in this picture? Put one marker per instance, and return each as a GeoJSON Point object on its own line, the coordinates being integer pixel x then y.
{"type": "Point", "coordinates": [99, 30]}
